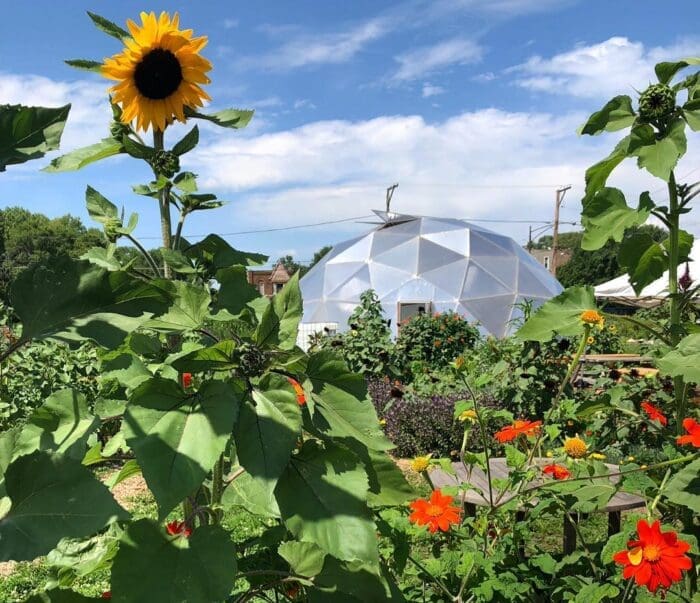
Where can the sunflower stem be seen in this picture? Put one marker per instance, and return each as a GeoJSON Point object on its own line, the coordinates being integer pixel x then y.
{"type": "Point", "coordinates": [145, 254]}
{"type": "Point", "coordinates": [164, 204]}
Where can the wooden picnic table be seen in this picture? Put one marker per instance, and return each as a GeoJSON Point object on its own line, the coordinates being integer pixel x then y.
{"type": "Point", "coordinates": [476, 478]}
{"type": "Point", "coordinates": [614, 358]}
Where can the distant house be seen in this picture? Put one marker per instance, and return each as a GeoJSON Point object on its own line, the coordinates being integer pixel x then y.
{"type": "Point", "coordinates": [269, 281]}
{"type": "Point", "coordinates": [545, 256]}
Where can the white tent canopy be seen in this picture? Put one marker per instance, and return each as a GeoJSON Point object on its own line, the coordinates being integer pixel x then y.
{"type": "Point", "coordinates": [619, 289]}
{"type": "Point", "coordinates": [423, 264]}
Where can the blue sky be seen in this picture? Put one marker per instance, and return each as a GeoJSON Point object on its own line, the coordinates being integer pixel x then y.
{"type": "Point", "coordinates": [471, 105]}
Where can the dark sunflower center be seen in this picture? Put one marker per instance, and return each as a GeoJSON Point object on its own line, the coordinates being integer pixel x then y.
{"type": "Point", "coordinates": [158, 74]}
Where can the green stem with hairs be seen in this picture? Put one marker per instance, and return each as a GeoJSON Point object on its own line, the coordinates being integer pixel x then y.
{"type": "Point", "coordinates": [164, 204]}
{"type": "Point", "coordinates": [145, 254]}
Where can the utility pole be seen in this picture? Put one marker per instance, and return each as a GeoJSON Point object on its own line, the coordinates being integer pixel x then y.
{"type": "Point", "coordinates": [529, 239]}
{"type": "Point", "coordinates": [555, 238]}
{"type": "Point", "coordinates": [390, 194]}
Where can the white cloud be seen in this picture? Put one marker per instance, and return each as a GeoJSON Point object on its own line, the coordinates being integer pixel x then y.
{"type": "Point", "coordinates": [615, 66]}
{"type": "Point", "coordinates": [231, 23]}
{"type": "Point", "coordinates": [431, 90]}
{"type": "Point", "coordinates": [316, 49]}
{"type": "Point", "coordinates": [304, 103]}
{"type": "Point", "coordinates": [428, 59]}
{"type": "Point", "coordinates": [482, 164]}
{"type": "Point", "coordinates": [89, 116]}
{"type": "Point", "coordinates": [504, 8]}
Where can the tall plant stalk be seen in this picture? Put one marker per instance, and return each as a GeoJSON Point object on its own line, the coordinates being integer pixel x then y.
{"type": "Point", "coordinates": [164, 204]}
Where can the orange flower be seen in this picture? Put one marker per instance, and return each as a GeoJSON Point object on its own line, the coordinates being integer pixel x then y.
{"type": "Point", "coordinates": [298, 390]}
{"type": "Point", "coordinates": [186, 380]}
{"type": "Point", "coordinates": [556, 471]}
{"type": "Point", "coordinates": [437, 512]}
{"type": "Point", "coordinates": [654, 413]}
{"type": "Point", "coordinates": [592, 317]}
{"type": "Point", "coordinates": [178, 527]}
{"type": "Point", "coordinates": [656, 559]}
{"type": "Point", "coordinates": [106, 594]}
{"type": "Point", "coordinates": [693, 437]}
{"type": "Point", "coordinates": [510, 432]}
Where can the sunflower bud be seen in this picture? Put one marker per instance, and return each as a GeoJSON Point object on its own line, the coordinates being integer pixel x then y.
{"type": "Point", "coordinates": [110, 229]}
{"type": "Point", "coordinates": [252, 360]}
{"type": "Point", "coordinates": [165, 163]}
{"type": "Point", "coordinates": [118, 130]}
{"type": "Point", "coordinates": [656, 102]}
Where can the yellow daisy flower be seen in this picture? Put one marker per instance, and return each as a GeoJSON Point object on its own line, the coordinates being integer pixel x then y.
{"type": "Point", "coordinates": [467, 415]}
{"type": "Point", "coordinates": [421, 463]}
{"type": "Point", "coordinates": [158, 73]}
{"type": "Point", "coordinates": [575, 447]}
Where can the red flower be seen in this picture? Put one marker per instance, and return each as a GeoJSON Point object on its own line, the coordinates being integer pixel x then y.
{"type": "Point", "coordinates": [178, 527]}
{"type": "Point", "coordinates": [693, 437]}
{"type": "Point", "coordinates": [106, 594]}
{"type": "Point", "coordinates": [186, 380]}
{"type": "Point", "coordinates": [656, 559]}
{"type": "Point", "coordinates": [510, 432]}
{"type": "Point", "coordinates": [654, 413]}
{"type": "Point", "coordinates": [437, 512]}
{"type": "Point", "coordinates": [556, 471]}
{"type": "Point", "coordinates": [298, 390]}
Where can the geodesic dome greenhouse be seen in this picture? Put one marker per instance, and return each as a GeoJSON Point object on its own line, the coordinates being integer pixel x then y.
{"type": "Point", "coordinates": [422, 264]}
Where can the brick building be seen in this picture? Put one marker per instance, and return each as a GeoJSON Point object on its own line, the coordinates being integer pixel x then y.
{"type": "Point", "coordinates": [269, 282]}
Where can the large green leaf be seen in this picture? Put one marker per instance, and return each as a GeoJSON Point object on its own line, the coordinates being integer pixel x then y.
{"type": "Point", "coordinates": [305, 558]}
{"type": "Point", "coordinates": [387, 483]}
{"type": "Point", "coordinates": [267, 430]}
{"type": "Point", "coordinates": [107, 26]}
{"type": "Point", "coordinates": [188, 142]}
{"type": "Point", "coordinates": [152, 566]}
{"type": "Point", "coordinates": [343, 407]}
{"type": "Point", "coordinates": [684, 360]}
{"type": "Point", "coordinates": [691, 112]}
{"type": "Point", "coordinates": [280, 320]}
{"type": "Point", "coordinates": [126, 368]}
{"type": "Point", "coordinates": [235, 292]}
{"type": "Point", "coordinates": [684, 487]}
{"type": "Point", "coordinates": [100, 208]}
{"type": "Point", "coordinates": [606, 215]}
{"type": "Point", "coordinates": [322, 497]}
{"type": "Point", "coordinates": [219, 357]}
{"type": "Point", "coordinates": [597, 175]}
{"type": "Point", "coordinates": [53, 497]}
{"type": "Point", "coordinates": [189, 311]}
{"type": "Point", "coordinates": [74, 300]}
{"type": "Point", "coordinates": [352, 582]}
{"type": "Point", "coordinates": [29, 132]}
{"type": "Point", "coordinates": [253, 494]}
{"type": "Point", "coordinates": [561, 315]}
{"type": "Point", "coordinates": [643, 258]}
{"type": "Point", "coordinates": [62, 424]}
{"type": "Point", "coordinates": [615, 115]}
{"type": "Point", "coordinates": [177, 436]}
{"type": "Point", "coordinates": [75, 160]}
{"type": "Point", "coordinates": [658, 156]}
{"type": "Point", "coordinates": [228, 118]}
{"type": "Point", "coordinates": [215, 253]}
{"type": "Point", "coordinates": [666, 70]}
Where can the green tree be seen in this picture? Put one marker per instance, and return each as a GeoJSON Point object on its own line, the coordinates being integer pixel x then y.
{"type": "Point", "coordinates": [595, 267]}
{"type": "Point", "coordinates": [292, 266]}
{"type": "Point", "coordinates": [27, 238]}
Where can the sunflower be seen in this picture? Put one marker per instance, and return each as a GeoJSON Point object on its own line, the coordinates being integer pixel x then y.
{"type": "Point", "coordinates": [158, 72]}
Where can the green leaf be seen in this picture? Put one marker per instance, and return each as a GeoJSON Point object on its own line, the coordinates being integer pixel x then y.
{"type": "Point", "coordinates": [280, 321]}
{"type": "Point", "coordinates": [560, 315]}
{"type": "Point", "coordinates": [105, 258]}
{"type": "Point", "coordinates": [658, 156]}
{"type": "Point", "coordinates": [684, 487]}
{"type": "Point", "coordinates": [665, 70]}
{"type": "Point", "coordinates": [305, 558]}
{"type": "Point", "coordinates": [29, 132]}
{"type": "Point", "coordinates": [219, 357]}
{"type": "Point", "coordinates": [597, 175]}
{"type": "Point", "coordinates": [178, 261]}
{"type": "Point", "coordinates": [189, 310]}
{"type": "Point", "coordinates": [128, 369]}
{"type": "Point", "coordinates": [108, 27]}
{"type": "Point", "coordinates": [593, 497]}
{"type": "Point", "coordinates": [691, 112]}
{"type": "Point", "coordinates": [606, 215]}
{"type": "Point", "coordinates": [228, 118]}
{"type": "Point", "coordinates": [322, 497]}
{"type": "Point", "coordinates": [62, 424]}
{"type": "Point", "coordinates": [268, 429]}
{"type": "Point", "coordinates": [595, 593]}
{"type": "Point", "coordinates": [188, 142]}
{"type": "Point", "coordinates": [60, 595]}
{"type": "Point", "coordinates": [177, 436]}
{"type": "Point", "coordinates": [643, 259]}
{"type": "Point", "coordinates": [684, 360]}
{"type": "Point", "coordinates": [387, 484]}
{"type": "Point", "coordinates": [100, 208]}
{"type": "Point", "coordinates": [615, 115]}
{"type": "Point", "coordinates": [136, 149]}
{"type": "Point", "coordinates": [342, 401]}
{"type": "Point", "coordinates": [216, 253]}
{"type": "Point", "coordinates": [186, 182]}
{"type": "Point", "coordinates": [53, 497]}
{"type": "Point", "coordinates": [75, 160]}
{"type": "Point", "coordinates": [72, 300]}
{"type": "Point", "coordinates": [235, 292]}
{"type": "Point", "coordinates": [129, 469]}
{"type": "Point", "coordinates": [351, 582]}
{"type": "Point", "coordinates": [85, 65]}
{"type": "Point", "coordinates": [253, 494]}
{"type": "Point", "coordinates": [152, 566]}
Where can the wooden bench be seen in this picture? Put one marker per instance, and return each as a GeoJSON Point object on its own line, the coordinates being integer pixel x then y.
{"type": "Point", "coordinates": [621, 501]}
